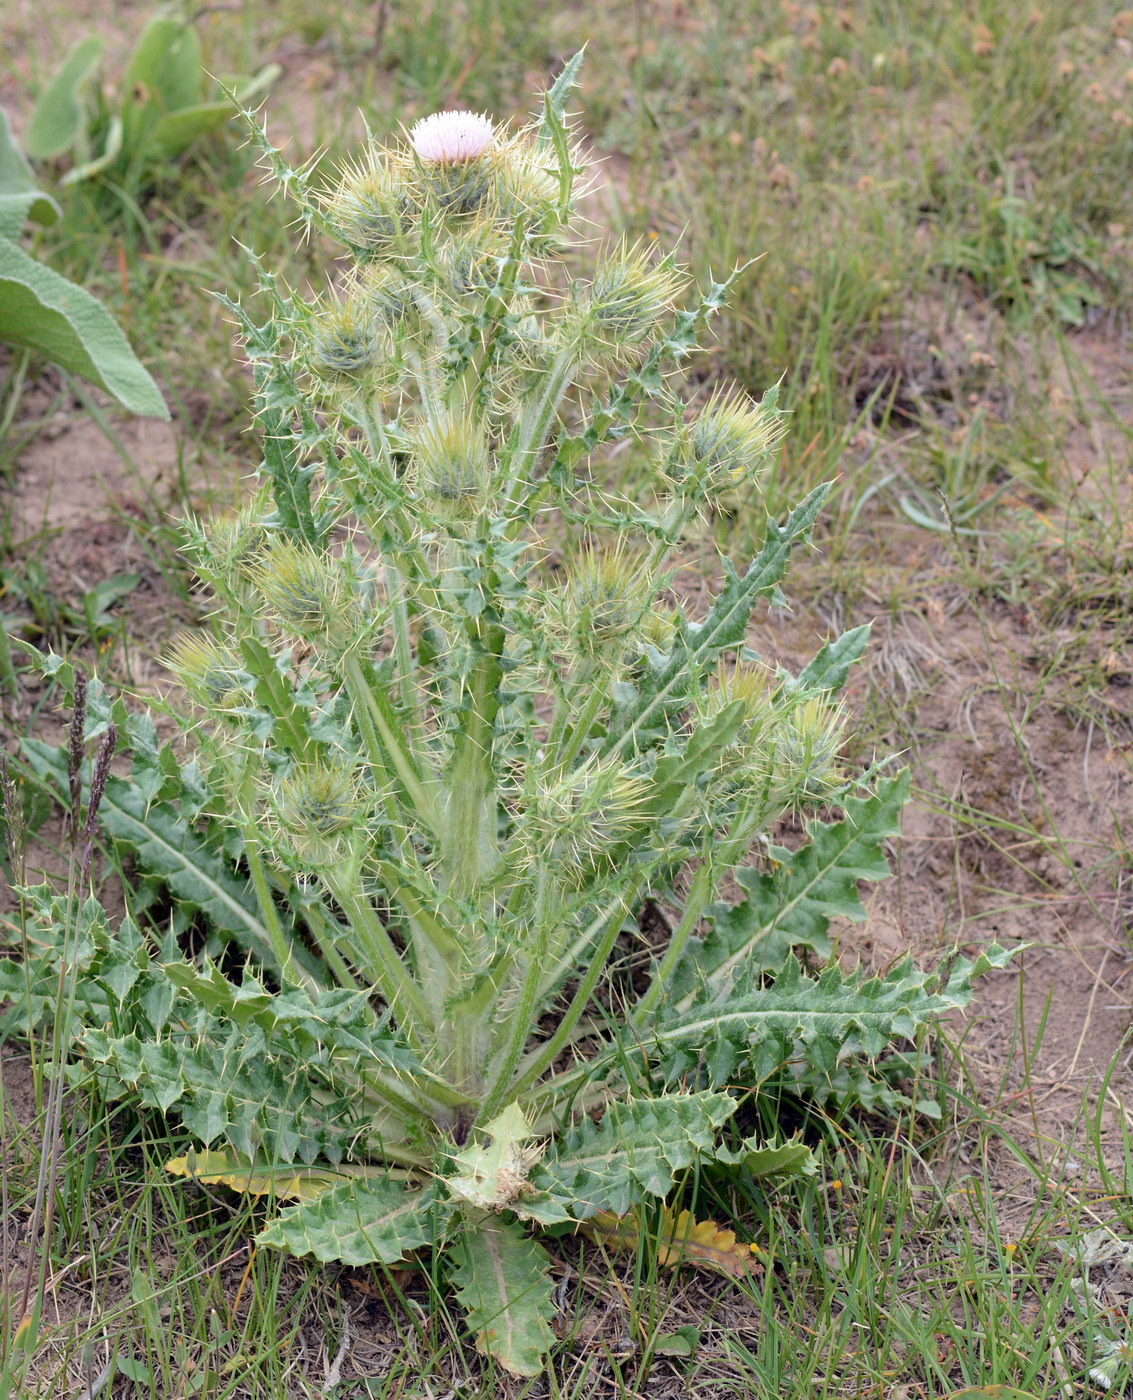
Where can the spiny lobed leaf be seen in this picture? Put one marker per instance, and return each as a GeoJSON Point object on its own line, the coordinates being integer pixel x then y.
{"type": "Point", "coordinates": [334, 1021]}
{"type": "Point", "coordinates": [698, 644]}
{"type": "Point", "coordinates": [165, 844]}
{"type": "Point", "coordinates": [358, 1222]}
{"type": "Point", "coordinates": [256, 1179]}
{"type": "Point", "coordinates": [680, 1239]}
{"type": "Point", "coordinates": [634, 1152]}
{"type": "Point", "coordinates": [501, 1278]}
{"type": "Point", "coordinates": [829, 668]}
{"type": "Point", "coordinates": [819, 1020]}
{"type": "Point", "coordinates": [791, 904]}
{"type": "Point", "coordinates": [231, 1082]}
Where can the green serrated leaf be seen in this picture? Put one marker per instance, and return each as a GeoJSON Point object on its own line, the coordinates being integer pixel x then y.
{"type": "Point", "coordinates": [699, 644]}
{"type": "Point", "coordinates": [503, 1282]}
{"type": "Point", "coordinates": [359, 1222]}
{"type": "Point", "coordinates": [791, 904]}
{"type": "Point", "coordinates": [830, 667]}
{"type": "Point", "coordinates": [633, 1153]}
{"type": "Point", "coordinates": [165, 845]}
{"type": "Point", "coordinates": [761, 1159]}
{"type": "Point", "coordinates": [824, 1018]}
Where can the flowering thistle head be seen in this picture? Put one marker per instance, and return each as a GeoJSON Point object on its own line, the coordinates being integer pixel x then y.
{"type": "Point", "coordinates": [730, 442]}
{"type": "Point", "coordinates": [209, 670]}
{"type": "Point", "coordinates": [627, 300]}
{"type": "Point", "coordinates": [313, 809]}
{"type": "Point", "coordinates": [453, 464]}
{"type": "Point", "coordinates": [453, 153]}
{"type": "Point", "coordinates": [604, 599]}
{"type": "Point", "coordinates": [306, 590]}
{"type": "Point", "coordinates": [451, 138]}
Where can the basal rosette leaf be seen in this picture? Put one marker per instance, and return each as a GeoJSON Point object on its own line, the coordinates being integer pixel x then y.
{"type": "Point", "coordinates": [165, 844]}
{"type": "Point", "coordinates": [680, 1239]}
{"type": "Point", "coordinates": [230, 1082]}
{"type": "Point", "coordinates": [503, 1282]}
{"type": "Point", "coordinates": [334, 1021]}
{"type": "Point", "coordinates": [634, 1152]}
{"type": "Point", "coordinates": [285, 1183]}
{"type": "Point", "coordinates": [372, 1221]}
{"type": "Point", "coordinates": [790, 905]}
{"type": "Point", "coordinates": [821, 1019]}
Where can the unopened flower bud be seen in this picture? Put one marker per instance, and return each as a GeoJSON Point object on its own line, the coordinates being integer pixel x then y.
{"type": "Point", "coordinates": [211, 672]}
{"type": "Point", "coordinates": [804, 751]}
{"type": "Point", "coordinates": [730, 442]}
{"type": "Point", "coordinates": [370, 208]}
{"type": "Point", "coordinates": [582, 818]}
{"type": "Point", "coordinates": [453, 464]}
{"type": "Point", "coordinates": [306, 590]}
{"type": "Point", "coordinates": [313, 810]}
{"type": "Point", "coordinates": [625, 303]}
{"type": "Point", "coordinates": [526, 188]}
{"type": "Point", "coordinates": [344, 347]}
{"type": "Point", "coordinates": [604, 600]}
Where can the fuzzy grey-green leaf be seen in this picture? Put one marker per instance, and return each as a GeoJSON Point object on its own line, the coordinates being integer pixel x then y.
{"type": "Point", "coordinates": [45, 312]}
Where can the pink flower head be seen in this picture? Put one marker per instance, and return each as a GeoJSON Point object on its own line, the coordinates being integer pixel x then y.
{"type": "Point", "coordinates": [451, 138]}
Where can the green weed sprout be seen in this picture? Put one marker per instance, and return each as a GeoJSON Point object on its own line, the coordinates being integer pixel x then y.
{"type": "Point", "coordinates": [467, 771]}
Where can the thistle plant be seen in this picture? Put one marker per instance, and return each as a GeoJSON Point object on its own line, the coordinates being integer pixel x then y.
{"type": "Point", "coordinates": [452, 774]}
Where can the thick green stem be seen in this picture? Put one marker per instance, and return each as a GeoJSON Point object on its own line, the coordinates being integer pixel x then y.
{"type": "Point", "coordinates": [699, 898]}
{"type": "Point", "coordinates": [280, 946]}
{"type": "Point", "coordinates": [536, 421]}
{"type": "Point", "coordinates": [575, 736]}
{"type": "Point", "coordinates": [504, 1088]}
{"type": "Point", "coordinates": [471, 843]}
{"type": "Point", "coordinates": [384, 962]}
{"type": "Point", "coordinates": [318, 921]}
{"type": "Point", "coordinates": [395, 577]}
{"type": "Point", "coordinates": [379, 721]}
